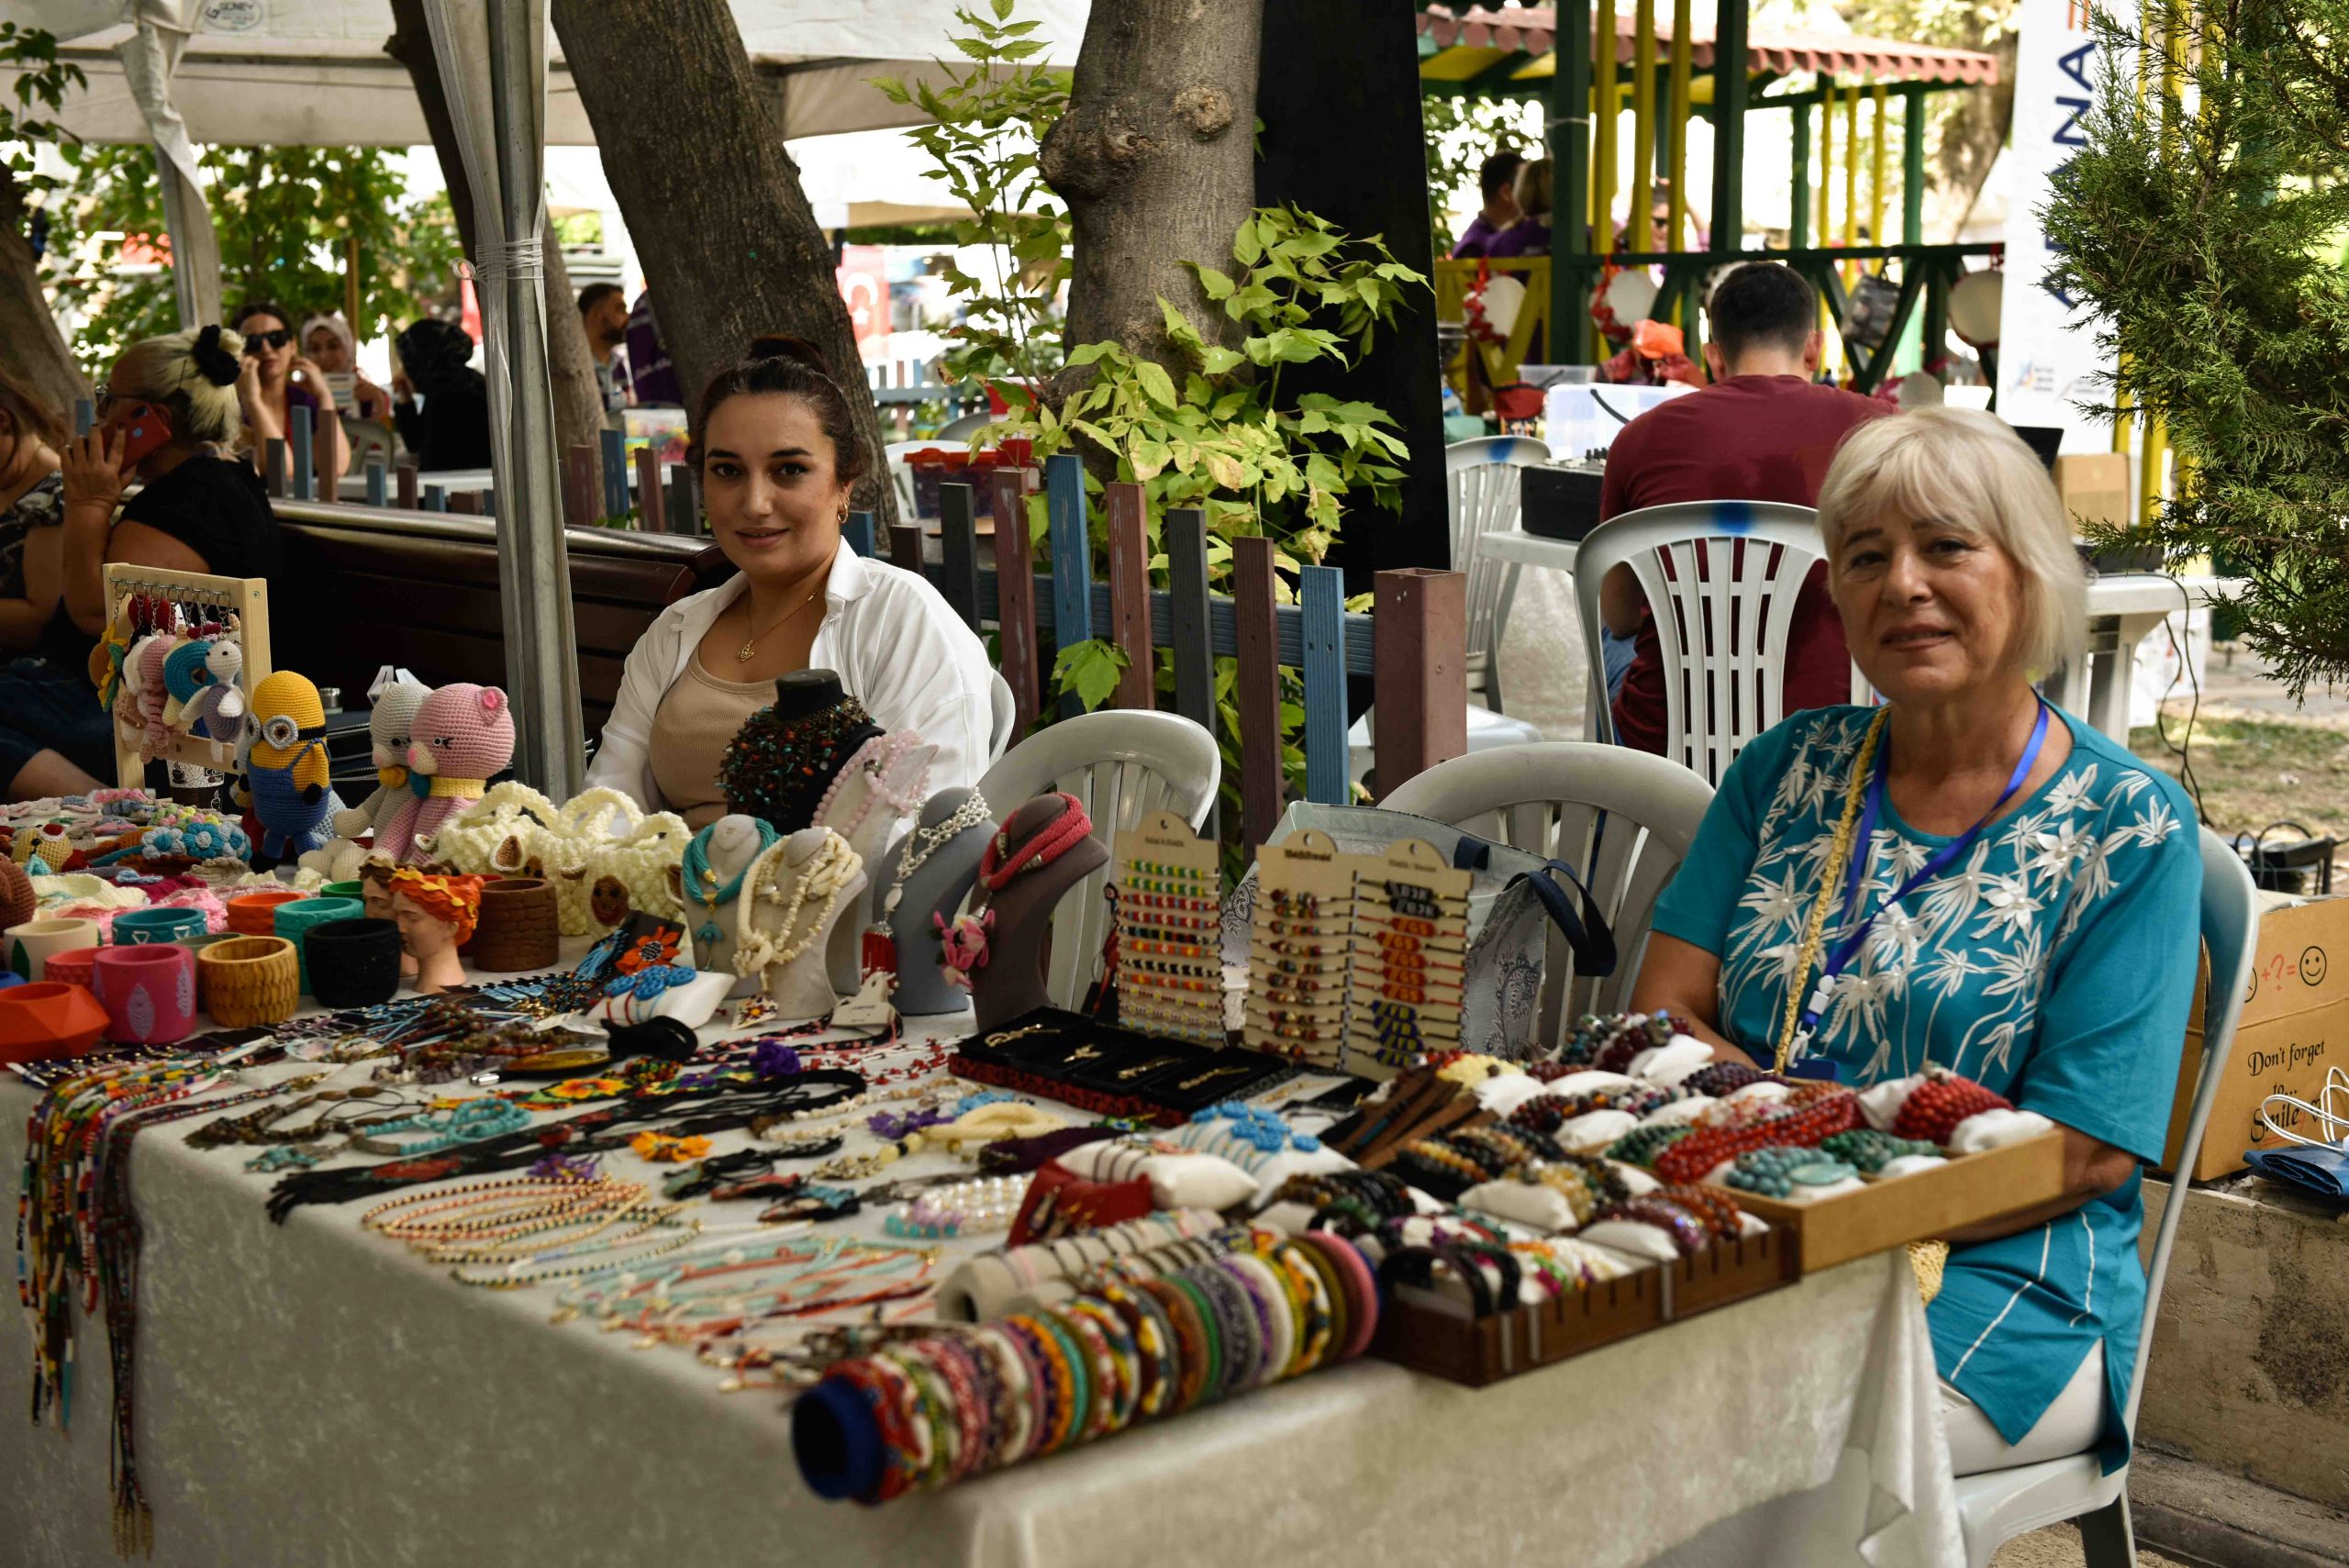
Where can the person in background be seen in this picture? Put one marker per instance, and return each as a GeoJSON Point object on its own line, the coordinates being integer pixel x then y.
{"type": "Point", "coordinates": [451, 431]}
{"type": "Point", "coordinates": [603, 316]}
{"type": "Point", "coordinates": [1529, 234]}
{"type": "Point", "coordinates": [650, 377]}
{"type": "Point", "coordinates": [329, 341]}
{"type": "Point", "coordinates": [200, 509]}
{"type": "Point", "coordinates": [1760, 432]}
{"type": "Point", "coordinates": [1495, 177]}
{"type": "Point", "coordinates": [279, 378]}
{"type": "Point", "coordinates": [779, 456]}
{"type": "Point", "coordinates": [32, 503]}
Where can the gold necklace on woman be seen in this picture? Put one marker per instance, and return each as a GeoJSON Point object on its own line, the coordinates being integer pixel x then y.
{"type": "Point", "coordinates": [742, 655]}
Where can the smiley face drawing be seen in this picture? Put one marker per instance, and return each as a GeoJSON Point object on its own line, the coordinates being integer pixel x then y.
{"type": "Point", "coordinates": [2314, 967]}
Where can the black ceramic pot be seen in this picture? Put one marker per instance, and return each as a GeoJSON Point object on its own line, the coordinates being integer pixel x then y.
{"type": "Point", "coordinates": [353, 963]}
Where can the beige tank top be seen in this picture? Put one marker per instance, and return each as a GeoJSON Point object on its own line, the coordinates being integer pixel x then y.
{"type": "Point", "coordinates": [691, 729]}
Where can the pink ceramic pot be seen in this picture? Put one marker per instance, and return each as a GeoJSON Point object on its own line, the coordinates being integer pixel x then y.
{"type": "Point", "coordinates": [149, 992]}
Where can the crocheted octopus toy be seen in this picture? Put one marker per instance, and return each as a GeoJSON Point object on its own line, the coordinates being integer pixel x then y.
{"type": "Point", "coordinates": [462, 735]}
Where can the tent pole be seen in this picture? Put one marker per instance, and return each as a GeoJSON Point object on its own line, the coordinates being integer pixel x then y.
{"type": "Point", "coordinates": [1569, 141]}
{"type": "Point", "coordinates": [1642, 202]}
{"type": "Point", "coordinates": [534, 566]}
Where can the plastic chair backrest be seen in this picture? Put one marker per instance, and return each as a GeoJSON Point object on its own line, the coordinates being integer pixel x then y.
{"type": "Point", "coordinates": [1622, 820]}
{"type": "Point", "coordinates": [1723, 612]}
{"type": "Point", "coordinates": [1485, 477]}
{"type": "Point", "coordinates": [1003, 712]}
{"type": "Point", "coordinates": [2230, 932]}
{"type": "Point", "coordinates": [1122, 764]}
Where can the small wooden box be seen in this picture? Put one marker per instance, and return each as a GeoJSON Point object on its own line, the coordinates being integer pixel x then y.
{"type": "Point", "coordinates": [1434, 1334]}
{"type": "Point", "coordinates": [1884, 1215]}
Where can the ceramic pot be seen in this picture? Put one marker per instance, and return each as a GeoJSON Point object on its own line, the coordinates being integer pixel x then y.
{"type": "Point", "coordinates": [149, 992]}
{"type": "Point", "coordinates": [520, 925]}
{"type": "Point", "coordinates": [48, 1019]}
{"type": "Point", "coordinates": [72, 967]}
{"type": "Point", "coordinates": [255, 914]}
{"type": "Point", "coordinates": [134, 928]}
{"type": "Point", "coordinates": [248, 981]}
{"type": "Point", "coordinates": [30, 944]}
{"type": "Point", "coordinates": [353, 963]}
{"type": "Point", "coordinates": [295, 921]}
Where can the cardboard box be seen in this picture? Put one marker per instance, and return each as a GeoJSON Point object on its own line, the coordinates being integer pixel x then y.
{"type": "Point", "coordinates": [2295, 1025]}
{"type": "Point", "coordinates": [2094, 487]}
{"type": "Point", "coordinates": [1967, 1190]}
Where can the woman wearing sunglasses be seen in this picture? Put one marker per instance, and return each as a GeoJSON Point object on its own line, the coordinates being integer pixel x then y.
{"type": "Point", "coordinates": [168, 417]}
{"type": "Point", "coordinates": [278, 378]}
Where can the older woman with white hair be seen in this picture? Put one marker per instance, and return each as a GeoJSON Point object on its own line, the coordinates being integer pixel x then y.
{"type": "Point", "coordinates": [1966, 878]}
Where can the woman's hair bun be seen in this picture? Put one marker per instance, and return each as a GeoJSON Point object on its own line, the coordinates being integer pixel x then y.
{"type": "Point", "coordinates": [215, 352]}
{"type": "Point", "coordinates": [783, 346]}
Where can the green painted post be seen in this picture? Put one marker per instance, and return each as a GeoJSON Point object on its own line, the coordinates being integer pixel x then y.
{"type": "Point", "coordinates": [1569, 141]}
{"type": "Point", "coordinates": [1798, 232]}
{"type": "Point", "coordinates": [1730, 82]}
{"type": "Point", "coordinates": [1917, 344]}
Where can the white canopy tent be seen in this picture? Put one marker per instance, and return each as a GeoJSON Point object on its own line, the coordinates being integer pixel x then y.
{"type": "Point", "coordinates": [313, 72]}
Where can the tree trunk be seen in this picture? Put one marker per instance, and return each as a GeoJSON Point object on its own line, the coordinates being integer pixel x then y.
{"type": "Point", "coordinates": [34, 349]}
{"type": "Point", "coordinates": [578, 406]}
{"type": "Point", "coordinates": [1155, 159]}
{"type": "Point", "coordinates": [1341, 107]}
{"type": "Point", "coordinates": [729, 245]}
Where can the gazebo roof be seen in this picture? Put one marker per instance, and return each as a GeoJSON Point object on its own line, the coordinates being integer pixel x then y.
{"type": "Point", "coordinates": [1460, 45]}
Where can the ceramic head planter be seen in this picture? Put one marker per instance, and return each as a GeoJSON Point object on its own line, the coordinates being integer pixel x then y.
{"type": "Point", "coordinates": [435, 914]}
{"type": "Point", "coordinates": [462, 735]}
{"type": "Point", "coordinates": [286, 765]}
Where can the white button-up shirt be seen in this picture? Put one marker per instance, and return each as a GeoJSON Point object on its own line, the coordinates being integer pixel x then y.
{"type": "Point", "coordinates": [887, 634]}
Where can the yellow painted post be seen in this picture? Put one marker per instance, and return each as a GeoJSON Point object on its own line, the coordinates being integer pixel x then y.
{"type": "Point", "coordinates": [1851, 177]}
{"type": "Point", "coordinates": [1824, 230]}
{"type": "Point", "coordinates": [1642, 124]}
{"type": "Point", "coordinates": [1876, 165]}
{"type": "Point", "coordinates": [1681, 61]}
{"type": "Point", "coordinates": [1603, 143]}
{"type": "Point", "coordinates": [2149, 472]}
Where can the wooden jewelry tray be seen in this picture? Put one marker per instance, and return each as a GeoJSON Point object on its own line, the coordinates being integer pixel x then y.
{"type": "Point", "coordinates": [1967, 1190]}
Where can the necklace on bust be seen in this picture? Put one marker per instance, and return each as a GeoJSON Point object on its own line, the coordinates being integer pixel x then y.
{"type": "Point", "coordinates": [880, 945]}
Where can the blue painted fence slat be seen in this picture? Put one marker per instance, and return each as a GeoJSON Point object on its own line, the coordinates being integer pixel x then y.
{"type": "Point", "coordinates": [615, 454]}
{"type": "Point", "coordinates": [378, 489]}
{"type": "Point", "coordinates": [1322, 614]}
{"type": "Point", "coordinates": [1072, 558]}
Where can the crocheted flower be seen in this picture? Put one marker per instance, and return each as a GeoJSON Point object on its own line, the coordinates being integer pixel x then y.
{"type": "Point", "coordinates": [568, 1168]}
{"type": "Point", "coordinates": [655, 947]}
{"type": "Point", "coordinates": [775, 1060]}
{"type": "Point", "coordinates": [663, 1149]}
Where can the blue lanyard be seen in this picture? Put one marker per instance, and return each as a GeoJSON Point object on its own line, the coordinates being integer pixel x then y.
{"type": "Point", "coordinates": [1845, 951]}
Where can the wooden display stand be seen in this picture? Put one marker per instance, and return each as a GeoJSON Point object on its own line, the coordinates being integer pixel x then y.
{"type": "Point", "coordinates": [1432, 1333]}
{"type": "Point", "coordinates": [246, 598]}
{"type": "Point", "coordinates": [1967, 1190]}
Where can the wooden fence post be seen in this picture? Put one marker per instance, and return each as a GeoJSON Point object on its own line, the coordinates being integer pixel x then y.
{"type": "Point", "coordinates": [1185, 534]}
{"type": "Point", "coordinates": [1071, 559]}
{"type": "Point", "coordinates": [1262, 788]}
{"type": "Point", "coordinates": [614, 465]}
{"type": "Point", "coordinates": [1129, 595]}
{"type": "Point", "coordinates": [275, 477]}
{"type": "Point", "coordinates": [905, 546]}
{"type": "Point", "coordinates": [579, 507]}
{"type": "Point", "coordinates": [377, 494]}
{"type": "Point", "coordinates": [299, 443]}
{"type": "Point", "coordinates": [1321, 626]}
{"type": "Point", "coordinates": [435, 499]}
{"type": "Point", "coordinates": [649, 498]}
{"type": "Point", "coordinates": [466, 502]}
{"type": "Point", "coordinates": [856, 532]}
{"type": "Point", "coordinates": [404, 483]}
{"type": "Point", "coordinates": [684, 505]}
{"type": "Point", "coordinates": [1015, 593]}
{"type": "Point", "coordinates": [958, 549]}
{"type": "Point", "coordinates": [1420, 670]}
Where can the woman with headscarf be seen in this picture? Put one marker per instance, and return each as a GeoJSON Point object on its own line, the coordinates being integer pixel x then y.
{"type": "Point", "coordinates": [451, 431]}
{"type": "Point", "coordinates": [327, 338]}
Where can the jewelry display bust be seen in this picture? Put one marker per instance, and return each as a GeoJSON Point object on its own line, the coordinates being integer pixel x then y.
{"type": "Point", "coordinates": [923, 881]}
{"type": "Point", "coordinates": [792, 894]}
{"type": "Point", "coordinates": [1031, 865]}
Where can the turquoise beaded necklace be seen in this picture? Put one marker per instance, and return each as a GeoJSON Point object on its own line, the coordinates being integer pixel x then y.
{"type": "Point", "coordinates": [702, 883]}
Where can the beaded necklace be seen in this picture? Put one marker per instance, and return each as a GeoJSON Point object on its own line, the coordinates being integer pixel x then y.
{"type": "Point", "coordinates": [880, 937]}
{"type": "Point", "coordinates": [874, 762]}
{"type": "Point", "coordinates": [826, 874]}
{"type": "Point", "coordinates": [702, 883]}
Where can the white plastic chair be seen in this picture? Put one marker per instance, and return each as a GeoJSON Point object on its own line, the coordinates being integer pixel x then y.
{"type": "Point", "coordinates": [1622, 820]}
{"type": "Point", "coordinates": [1485, 477]}
{"type": "Point", "coordinates": [1999, 1505]}
{"type": "Point", "coordinates": [1122, 764]}
{"type": "Point", "coordinates": [901, 475]}
{"type": "Point", "coordinates": [1722, 616]}
{"type": "Point", "coordinates": [1003, 712]}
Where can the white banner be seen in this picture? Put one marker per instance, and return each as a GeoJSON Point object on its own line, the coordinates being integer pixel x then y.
{"type": "Point", "coordinates": [2047, 350]}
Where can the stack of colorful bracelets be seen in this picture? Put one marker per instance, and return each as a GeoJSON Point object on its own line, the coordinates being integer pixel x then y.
{"type": "Point", "coordinates": [1607, 1044]}
{"type": "Point", "coordinates": [1135, 1345]}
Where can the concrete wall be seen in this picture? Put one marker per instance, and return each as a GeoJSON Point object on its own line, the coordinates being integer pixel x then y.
{"type": "Point", "coordinates": [2250, 1368]}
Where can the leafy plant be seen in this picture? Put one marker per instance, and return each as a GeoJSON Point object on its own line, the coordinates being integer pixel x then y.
{"type": "Point", "coordinates": [1461, 132]}
{"type": "Point", "coordinates": [985, 124]}
{"type": "Point", "coordinates": [2205, 233]}
{"type": "Point", "coordinates": [42, 84]}
{"type": "Point", "coordinates": [284, 216]}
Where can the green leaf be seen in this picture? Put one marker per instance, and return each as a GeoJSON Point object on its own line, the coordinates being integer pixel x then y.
{"type": "Point", "coordinates": [1090, 669]}
{"type": "Point", "coordinates": [1246, 249]}
{"type": "Point", "coordinates": [1156, 383]}
{"type": "Point", "coordinates": [1216, 360]}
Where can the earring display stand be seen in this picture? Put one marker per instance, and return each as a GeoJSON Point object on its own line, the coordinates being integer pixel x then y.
{"type": "Point", "coordinates": [785, 942]}
{"type": "Point", "coordinates": [1170, 904]}
{"type": "Point", "coordinates": [1300, 950]}
{"type": "Point", "coordinates": [1410, 951]}
{"type": "Point", "coordinates": [1012, 981]}
{"type": "Point", "coordinates": [930, 871]}
{"type": "Point", "coordinates": [244, 601]}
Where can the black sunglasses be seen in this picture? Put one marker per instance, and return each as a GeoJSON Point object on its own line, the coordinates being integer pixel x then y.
{"type": "Point", "coordinates": [276, 339]}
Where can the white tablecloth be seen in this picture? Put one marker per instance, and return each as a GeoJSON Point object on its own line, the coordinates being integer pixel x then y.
{"type": "Point", "coordinates": [314, 1397]}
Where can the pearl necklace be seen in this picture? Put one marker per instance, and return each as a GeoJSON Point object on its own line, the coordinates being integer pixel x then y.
{"type": "Point", "coordinates": [874, 762]}
{"type": "Point", "coordinates": [826, 875]}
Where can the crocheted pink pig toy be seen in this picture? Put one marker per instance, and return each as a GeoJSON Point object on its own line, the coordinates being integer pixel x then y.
{"type": "Point", "coordinates": [461, 736]}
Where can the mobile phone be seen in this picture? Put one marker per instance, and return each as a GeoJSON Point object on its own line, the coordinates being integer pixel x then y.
{"type": "Point", "coordinates": [145, 430]}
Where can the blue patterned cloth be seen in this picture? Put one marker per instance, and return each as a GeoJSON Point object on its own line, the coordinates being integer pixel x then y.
{"type": "Point", "coordinates": [2054, 963]}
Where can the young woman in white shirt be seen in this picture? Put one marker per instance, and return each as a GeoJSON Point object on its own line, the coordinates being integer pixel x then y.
{"type": "Point", "coordinates": [779, 456]}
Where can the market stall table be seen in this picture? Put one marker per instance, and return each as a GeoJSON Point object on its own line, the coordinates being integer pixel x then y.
{"type": "Point", "coordinates": [2123, 609]}
{"type": "Point", "coordinates": [313, 1393]}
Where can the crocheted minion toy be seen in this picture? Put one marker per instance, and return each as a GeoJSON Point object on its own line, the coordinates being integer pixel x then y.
{"type": "Point", "coordinates": [286, 769]}
{"type": "Point", "coordinates": [462, 735]}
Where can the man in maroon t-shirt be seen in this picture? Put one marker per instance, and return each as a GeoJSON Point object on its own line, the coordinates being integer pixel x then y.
{"type": "Point", "coordinates": [1762, 431]}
